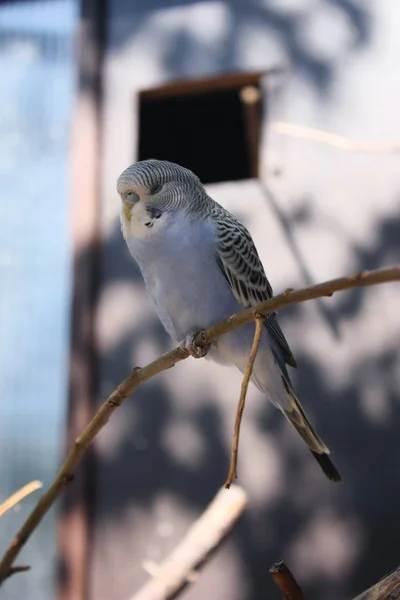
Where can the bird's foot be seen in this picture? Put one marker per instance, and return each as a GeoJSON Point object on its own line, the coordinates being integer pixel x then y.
{"type": "Point", "coordinates": [192, 348]}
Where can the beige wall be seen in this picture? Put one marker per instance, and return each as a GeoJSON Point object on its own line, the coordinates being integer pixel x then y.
{"type": "Point", "coordinates": [322, 212]}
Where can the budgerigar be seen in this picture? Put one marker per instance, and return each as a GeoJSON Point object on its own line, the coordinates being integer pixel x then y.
{"type": "Point", "coordinates": [200, 266]}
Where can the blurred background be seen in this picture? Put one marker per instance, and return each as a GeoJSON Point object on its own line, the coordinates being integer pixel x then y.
{"type": "Point", "coordinates": [239, 91]}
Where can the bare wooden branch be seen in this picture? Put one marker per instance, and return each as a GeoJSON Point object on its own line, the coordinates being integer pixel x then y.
{"type": "Point", "coordinates": [242, 401]}
{"type": "Point", "coordinates": [16, 497]}
{"type": "Point", "coordinates": [387, 588]}
{"type": "Point", "coordinates": [202, 538]}
{"type": "Point", "coordinates": [137, 377]}
{"type": "Point", "coordinates": [336, 141]}
{"type": "Point", "coordinates": [285, 581]}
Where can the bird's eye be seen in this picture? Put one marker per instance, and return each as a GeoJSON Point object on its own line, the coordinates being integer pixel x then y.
{"type": "Point", "coordinates": [130, 197]}
{"type": "Point", "coordinates": [155, 188]}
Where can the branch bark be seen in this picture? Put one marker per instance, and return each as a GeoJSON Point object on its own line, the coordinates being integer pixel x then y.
{"type": "Point", "coordinates": [137, 377]}
{"type": "Point", "coordinates": [387, 588]}
{"type": "Point", "coordinates": [202, 538]}
{"type": "Point", "coordinates": [285, 581]}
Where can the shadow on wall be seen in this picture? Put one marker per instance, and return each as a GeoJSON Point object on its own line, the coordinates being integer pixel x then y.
{"type": "Point", "coordinates": [288, 225]}
{"type": "Point", "coordinates": [289, 28]}
{"type": "Point", "coordinates": [357, 516]}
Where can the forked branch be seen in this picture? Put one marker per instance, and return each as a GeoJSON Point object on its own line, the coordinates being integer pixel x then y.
{"type": "Point", "coordinates": [137, 377]}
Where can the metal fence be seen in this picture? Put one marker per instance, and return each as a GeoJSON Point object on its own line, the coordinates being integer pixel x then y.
{"type": "Point", "coordinates": [37, 81]}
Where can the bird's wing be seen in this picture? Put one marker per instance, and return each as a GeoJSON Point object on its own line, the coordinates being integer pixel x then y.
{"type": "Point", "coordinates": [238, 260]}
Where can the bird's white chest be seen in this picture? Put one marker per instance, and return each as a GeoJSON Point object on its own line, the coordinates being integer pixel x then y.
{"type": "Point", "coordinates": [177, 266]}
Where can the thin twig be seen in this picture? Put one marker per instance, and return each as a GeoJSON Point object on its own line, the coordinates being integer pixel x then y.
{"type": "Point", "coordinates": [179, 568]}
{"type": "Point", "coordinates": [131, 383]}
{"type": "Point", "coordinates": [19, 569]}
{"type": "Point", "coordinates": [285, 581]}
{"type": "Point", "coordinates": [242, 401]}
{"type": "Point", "coordinates": [19, 495]}
{"type": "Point", "coordinates": [336, 141]}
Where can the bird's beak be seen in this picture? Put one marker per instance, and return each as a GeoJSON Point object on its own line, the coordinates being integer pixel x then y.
{"type": "Point", "coordinates": [127, 210]}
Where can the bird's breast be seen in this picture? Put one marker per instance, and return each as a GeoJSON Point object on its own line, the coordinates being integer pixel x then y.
{"type": "Point", "coordinates": [183, 278]}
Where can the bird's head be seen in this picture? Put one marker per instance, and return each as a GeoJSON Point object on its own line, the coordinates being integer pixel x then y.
{"type": "Point", "coordinates": [150, 188]}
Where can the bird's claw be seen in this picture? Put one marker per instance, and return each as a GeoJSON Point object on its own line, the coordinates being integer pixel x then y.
{"type": "Point", "coordinates": [192, 348]}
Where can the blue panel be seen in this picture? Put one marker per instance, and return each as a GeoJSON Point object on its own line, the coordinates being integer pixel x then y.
{"type": "Point", "coordinates": [37, 87]}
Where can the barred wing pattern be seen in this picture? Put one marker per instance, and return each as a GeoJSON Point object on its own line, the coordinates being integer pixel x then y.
{"type": "Point", "coordinates": [240, 264]}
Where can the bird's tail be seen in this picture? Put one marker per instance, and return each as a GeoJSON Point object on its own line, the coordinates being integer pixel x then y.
{"type": "Point", "coordinates": [297, 417]}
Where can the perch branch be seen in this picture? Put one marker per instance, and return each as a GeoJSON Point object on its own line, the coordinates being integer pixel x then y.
{"type": "Point", "coordinates": [285, 581]}
{"type": "Point", "coordinates": [242, 401]}
{"type": "Point", "coordinates": [336, 141]}
{"type": "Point", "coordinates": [203, 537]}
{"type": "Point", "coordinates": [137, 377]}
